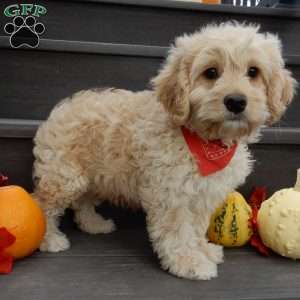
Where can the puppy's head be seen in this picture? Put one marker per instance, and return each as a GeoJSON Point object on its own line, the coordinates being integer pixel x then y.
{"type": "Point", "coordinates": [225, 81]}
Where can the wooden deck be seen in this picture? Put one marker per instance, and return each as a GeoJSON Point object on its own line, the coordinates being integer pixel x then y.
{"type": "Point", "coordinates": [121, 265]}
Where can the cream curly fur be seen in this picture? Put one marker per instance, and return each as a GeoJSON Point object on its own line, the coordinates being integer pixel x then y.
{"type": "Point", "coordinates": [127, 148]}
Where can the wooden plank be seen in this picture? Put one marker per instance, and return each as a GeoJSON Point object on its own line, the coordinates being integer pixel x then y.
{"type": "Point", "coordinates": [280, 135]}
{"type": "Point", "coordinates": [153, 22]}
{"type": "Point", "coordinates": [110, 49]}
{"type": "Point", "coordinates": [16, 161]}
{"type": "Point", "coordinates": [55, 75]}
{"type": "Point", "coordinates": [128, 240]}
{"type": "Point", "coordinates": [19, 128]}
{"type": "Point", "coordinates": [101, 48]}
{"type": "Point", "coordinates": [244, 275]}
{"type": "Point", "coordinates": [275, 165]}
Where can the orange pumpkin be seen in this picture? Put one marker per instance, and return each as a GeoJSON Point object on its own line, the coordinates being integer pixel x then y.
{"type": "Point", "coordinates": [23, 218]}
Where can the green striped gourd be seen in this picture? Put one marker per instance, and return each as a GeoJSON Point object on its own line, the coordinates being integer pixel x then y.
{"type": "Point", "coordinates": [229, 225]}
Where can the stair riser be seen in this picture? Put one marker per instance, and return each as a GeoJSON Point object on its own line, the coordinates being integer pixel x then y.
{"type": "Point", "coordinates": [35, 81]}
{"type": "Point", "coordinates": [275, 165]}
{"type": "Point", "coordinates": [149, 25]}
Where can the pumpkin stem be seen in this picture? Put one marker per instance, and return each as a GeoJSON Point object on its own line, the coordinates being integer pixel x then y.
{"type": "Point", "coordinates": [297, 184]}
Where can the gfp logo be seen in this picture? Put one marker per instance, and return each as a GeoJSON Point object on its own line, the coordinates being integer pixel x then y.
{"type": "Point", "coordinates": [24, 30]}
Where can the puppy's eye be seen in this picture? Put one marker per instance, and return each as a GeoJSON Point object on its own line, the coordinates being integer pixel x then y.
{"type": "Point", "coordinates": [211, 73]}
{"type": "Point", "coordinates": [253, 72]}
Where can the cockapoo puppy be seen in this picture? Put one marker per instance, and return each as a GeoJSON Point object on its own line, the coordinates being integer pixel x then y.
{"type": "Point", "coordinates": [216, 89]}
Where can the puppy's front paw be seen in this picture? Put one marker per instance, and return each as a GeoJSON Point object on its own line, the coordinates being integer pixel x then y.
{"type": "Point", "coordinates": [191, 266]}
{"type": "Point", "coordinates": [215, 253]}
{"type": "Point", "coordinates": [55, 242]}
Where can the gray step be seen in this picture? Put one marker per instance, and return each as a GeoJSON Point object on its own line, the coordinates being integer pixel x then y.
{"type": "Point", "coordinates": [153, 22]}
{"type": "Point", "coordinates": [49, 76]}
{"type": "Point", "coordinates": [277, 155]}
{"type": "Point", "coordinates": [98, 43]}
{"type": "Point", "coordinates": [122, 266]}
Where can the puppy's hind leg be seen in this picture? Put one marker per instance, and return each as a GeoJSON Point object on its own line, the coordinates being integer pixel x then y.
{"type": "Point", "coordinates": [55, 192]}
{"type": "Point", "coordinates": [54, 240]}
{"type": "Point", "coordinates": [88, 220]}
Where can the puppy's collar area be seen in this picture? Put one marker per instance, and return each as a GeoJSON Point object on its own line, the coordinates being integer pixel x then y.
{"type": "Point", "coordinates": [211, 156]}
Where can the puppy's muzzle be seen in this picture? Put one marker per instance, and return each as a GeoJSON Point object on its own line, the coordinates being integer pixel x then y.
{"type": "Point", "coordinates": [235, 103]}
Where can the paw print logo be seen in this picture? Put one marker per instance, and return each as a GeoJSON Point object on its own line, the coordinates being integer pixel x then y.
{"type": "Point", "coordinates": [24, 32]}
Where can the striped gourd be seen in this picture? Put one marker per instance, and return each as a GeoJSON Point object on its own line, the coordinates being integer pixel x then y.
{"type": "Point", "coordinates": [229, 225]}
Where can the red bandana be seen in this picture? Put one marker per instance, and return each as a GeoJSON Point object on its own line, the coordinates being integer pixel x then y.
{"type": "Point", "coordinates": [211, 156]}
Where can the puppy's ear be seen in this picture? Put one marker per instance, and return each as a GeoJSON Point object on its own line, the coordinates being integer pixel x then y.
{"type": "Point", "coordinates": [281, 86]}
{"type": "Point", "coordinates": [281, 90]}
{"type": "Point", "coordinates": [172, 85]}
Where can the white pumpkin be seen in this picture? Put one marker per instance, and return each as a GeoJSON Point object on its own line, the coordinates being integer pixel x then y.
{"type": "Point", "coordinates": [279, 221]}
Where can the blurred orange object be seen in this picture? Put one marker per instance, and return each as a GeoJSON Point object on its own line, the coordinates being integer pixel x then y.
{"type": "Point", "coordinates": [23, 218]}
{"type": "Point", "coordinates": [211, 1]}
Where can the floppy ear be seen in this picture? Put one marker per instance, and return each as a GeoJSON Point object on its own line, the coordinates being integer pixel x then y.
{"type": "Point", "coordinates": [172, 85]}
{"type": "Point", "coordinates": [281, 90]}
{"type": "Point", "coordinates": [281, 86]}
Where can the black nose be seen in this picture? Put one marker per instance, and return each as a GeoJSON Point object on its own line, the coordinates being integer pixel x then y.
{"type": "Point", "coordinates": [235, 103]}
